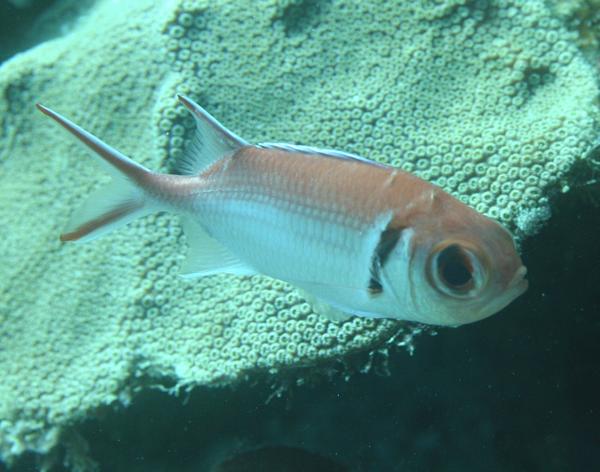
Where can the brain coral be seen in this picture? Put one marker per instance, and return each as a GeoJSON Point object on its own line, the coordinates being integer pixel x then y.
{"type": "Point", "coordinates": [490, 99]}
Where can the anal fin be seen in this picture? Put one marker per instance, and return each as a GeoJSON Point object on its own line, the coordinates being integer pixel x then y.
{"type": "Point", "coordinates": [324, 309]}
{"type": "Point", "coordinates": [207, 256]}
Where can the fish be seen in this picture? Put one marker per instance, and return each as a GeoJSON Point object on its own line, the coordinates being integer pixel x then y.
{"type": "Point", "coordinates": [356, 237]}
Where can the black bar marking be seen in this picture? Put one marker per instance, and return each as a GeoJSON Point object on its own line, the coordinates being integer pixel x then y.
{"type": "Point", "coordinates": [387, 242]}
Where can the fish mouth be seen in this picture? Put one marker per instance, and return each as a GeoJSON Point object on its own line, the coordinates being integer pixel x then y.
{"type": "Point", "coordinates": [518, 283]}
{"type": "Point", "coordinates": [515, 288]}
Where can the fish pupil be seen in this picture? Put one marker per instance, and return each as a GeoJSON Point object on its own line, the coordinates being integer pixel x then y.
{"type": "Point", "coordinates": [454, 267]}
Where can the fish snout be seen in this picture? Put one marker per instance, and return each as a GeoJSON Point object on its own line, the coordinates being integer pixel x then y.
{"type": "Point", "coordinates": [519, 283]}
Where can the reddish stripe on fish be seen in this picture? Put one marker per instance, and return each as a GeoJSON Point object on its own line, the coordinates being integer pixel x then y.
{"type": "Point", "coordinates": [358, 190]}
{"type": "Point", "coordinates": [113, 157]}
{"type": "Point", "coordinates": [98, 223]}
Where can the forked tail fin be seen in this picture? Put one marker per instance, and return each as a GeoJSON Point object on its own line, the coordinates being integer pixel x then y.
{"type": "Point", "coordinates": [136, 191]}
{"type": "Point", "coordinates": [114, 205]}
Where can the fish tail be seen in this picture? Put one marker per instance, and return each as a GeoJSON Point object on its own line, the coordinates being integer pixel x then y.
{"type": "Point", "coordinates": [114, 205]}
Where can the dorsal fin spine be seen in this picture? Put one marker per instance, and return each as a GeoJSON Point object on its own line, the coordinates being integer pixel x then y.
{"type": "Point", "coordinates": [211, 142]}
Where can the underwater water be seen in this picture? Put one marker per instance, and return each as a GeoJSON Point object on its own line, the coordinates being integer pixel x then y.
{"type": "Point", "coordinates": [109, 362]}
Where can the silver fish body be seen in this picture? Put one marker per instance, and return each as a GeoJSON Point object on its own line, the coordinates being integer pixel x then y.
{"type": "Point", "coordinates": [312, 220]}
{"type": "Point", "coordinates": [359, 238]}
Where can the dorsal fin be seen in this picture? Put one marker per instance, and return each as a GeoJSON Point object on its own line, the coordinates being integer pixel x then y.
{"type": "Point", "coordinates": [318, 152]}
{"type": "Point", "coordinates": [211, 142]}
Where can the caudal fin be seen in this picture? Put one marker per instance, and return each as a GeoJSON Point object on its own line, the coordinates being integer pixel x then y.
{"type": "Point", "coordinates": [112, 206]}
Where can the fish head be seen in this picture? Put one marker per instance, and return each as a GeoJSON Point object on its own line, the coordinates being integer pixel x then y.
{"type": "Point", "coordinates": [462, 267]}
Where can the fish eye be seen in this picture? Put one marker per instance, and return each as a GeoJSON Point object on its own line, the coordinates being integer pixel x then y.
{"type": "Point", "coordinates": [454, 270]}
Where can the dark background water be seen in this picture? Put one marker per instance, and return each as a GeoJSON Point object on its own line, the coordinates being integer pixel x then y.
{"type": "Point", "coordinates": [519, 391]}
{"type": "Point", "coordinates": [35, 22]}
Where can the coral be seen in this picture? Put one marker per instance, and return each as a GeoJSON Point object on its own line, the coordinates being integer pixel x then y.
{"type": "Point", "coordinates": [504, 71]}
{"type": "Point", "coordinates": [490, 100]}
{"type": "Point", "coordinates": [582, 16]}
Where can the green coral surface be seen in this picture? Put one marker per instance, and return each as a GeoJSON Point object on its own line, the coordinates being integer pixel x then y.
{"type": "Point", "coordinates": [490, 100]}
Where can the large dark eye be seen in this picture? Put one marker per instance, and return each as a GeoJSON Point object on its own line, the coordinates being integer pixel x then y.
{"type": "Point", "coordinates": [455, 269]}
